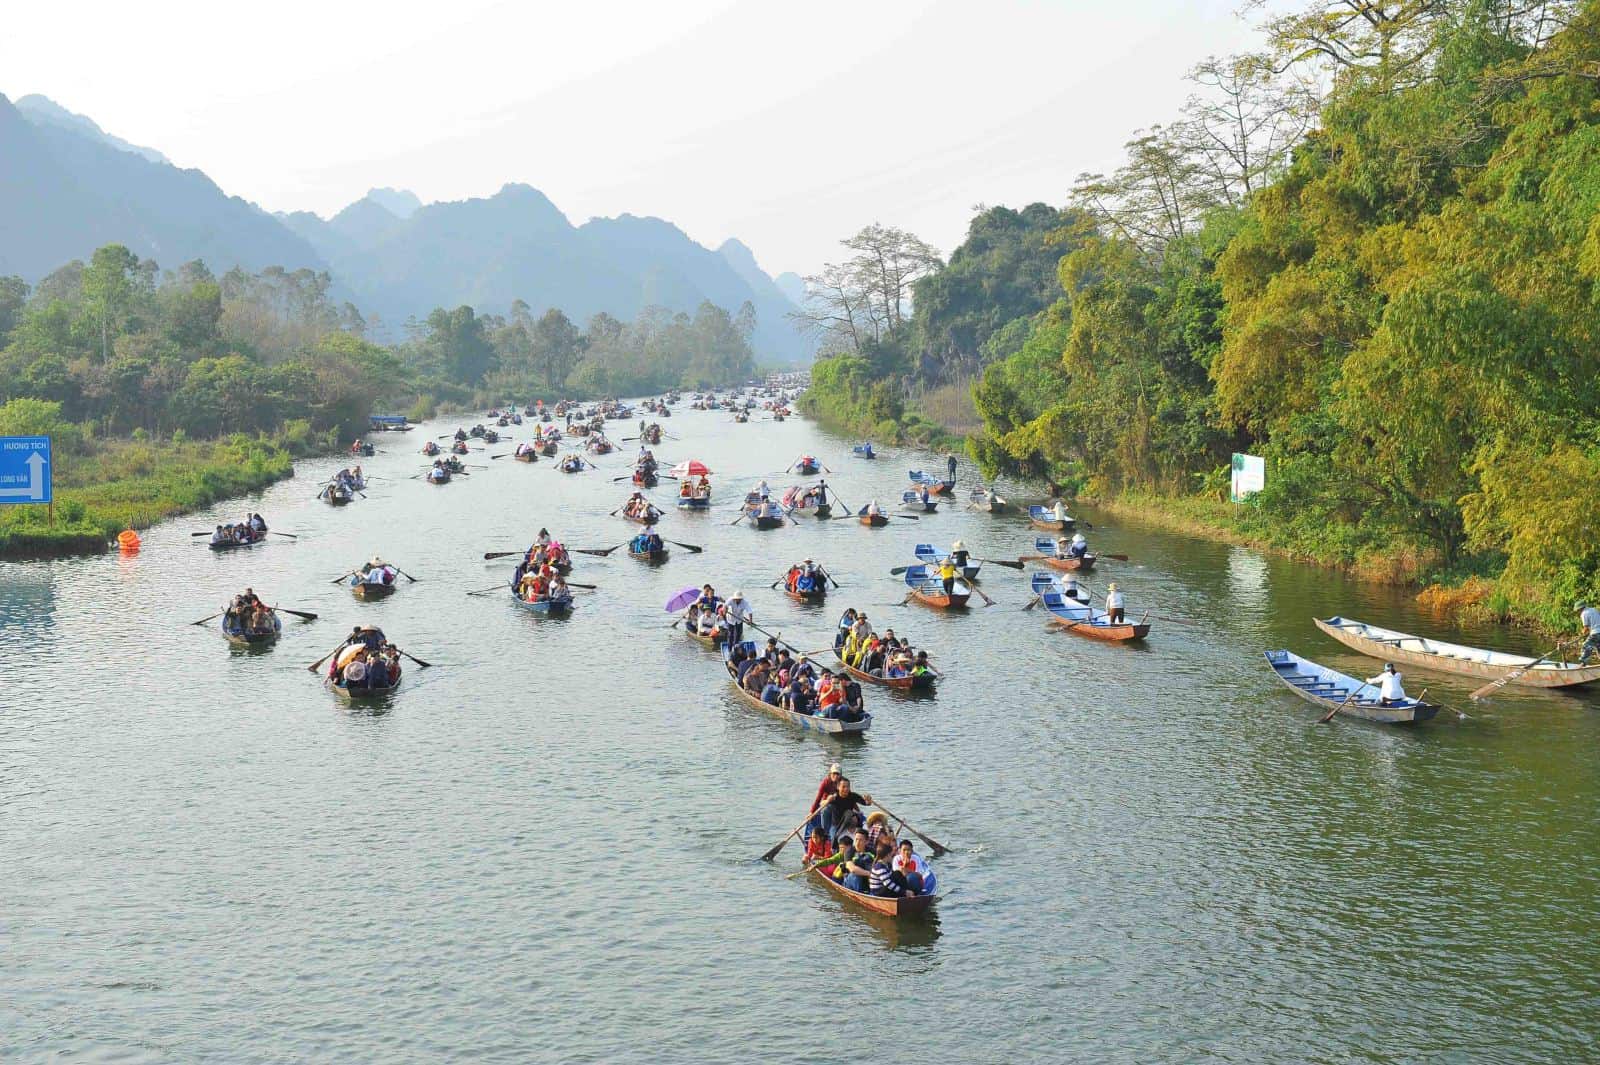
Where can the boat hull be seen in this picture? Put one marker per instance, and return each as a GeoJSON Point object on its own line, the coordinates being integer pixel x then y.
{"type": "Point", "coordinates": [548, 608]}
{"type": "Point", "coordinates": [1452, 658]}
{"type": "Point", "coordinates": [657, 556]}
{"type": "Point", "coordinates": [805, 722]}
{"type": "Point", "coordinates": [918, 683]}
{"type": "Point", "coordinates": [363, 695]}
{"type": "Point", "coordinates": [1053, 525]}
{"type": "Point", "coordinates": [816, 598]}
{"type": "Point", "coordinates": [526, 456]}
{"type": "Point", "coordinates": [371, 592]}
{"type": "Point", "coordinates": [911, 907]}
{"type": "Point", "coordinates": [1084, 564]}
{"type": "Point", "coordinates": [1104, 633]}
{"type": "Point", "coordinates": [1330, 690]}
{"type": "Point", "coordinates": [874, 521]}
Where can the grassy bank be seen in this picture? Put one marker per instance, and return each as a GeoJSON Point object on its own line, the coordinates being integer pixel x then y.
{"type": "Point", "coordinates": [106, 485]}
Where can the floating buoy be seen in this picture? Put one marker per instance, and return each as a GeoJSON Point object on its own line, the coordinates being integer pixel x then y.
{"type": "Point", "coordinates": [128, 541]}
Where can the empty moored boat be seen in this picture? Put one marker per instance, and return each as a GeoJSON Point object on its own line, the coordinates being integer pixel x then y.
{"type": "Point", "coordinates": [1453, 658]}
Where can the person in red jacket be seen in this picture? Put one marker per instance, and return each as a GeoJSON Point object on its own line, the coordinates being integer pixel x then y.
{"type": "Point", "coordinates": [825, 790]}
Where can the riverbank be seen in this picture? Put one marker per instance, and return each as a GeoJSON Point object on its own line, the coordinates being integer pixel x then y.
{"type": "Point", "coordinates": [114, 484]}
{"type": "Point", "coordinates": [1467, 599]}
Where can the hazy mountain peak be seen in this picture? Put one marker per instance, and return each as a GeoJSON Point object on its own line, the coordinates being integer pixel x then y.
{"type": "Point", "coordinates": [43, 110]}
{"type": "Point", "coordinates": [399, 202]}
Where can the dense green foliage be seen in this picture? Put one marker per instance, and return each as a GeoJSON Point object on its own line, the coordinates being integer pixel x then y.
{"type": "Point", "coordinates": [1403, 319]}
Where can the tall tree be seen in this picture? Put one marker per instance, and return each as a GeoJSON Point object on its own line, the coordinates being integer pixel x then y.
{"type": "Point", "coordinates": [556, 343]}
{"type": "Point", "coordinates": [108, 289]}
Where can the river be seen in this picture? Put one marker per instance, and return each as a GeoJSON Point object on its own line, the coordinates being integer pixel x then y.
{"type": "Point", "coordinates": [543, 848]}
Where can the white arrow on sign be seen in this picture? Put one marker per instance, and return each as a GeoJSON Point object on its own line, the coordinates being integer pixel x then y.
{"type": "Point", "coordinates": [35, 488]}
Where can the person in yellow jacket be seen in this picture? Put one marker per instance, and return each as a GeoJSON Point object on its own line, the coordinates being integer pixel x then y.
{"type": "Point", "coordinates": [947, 574]}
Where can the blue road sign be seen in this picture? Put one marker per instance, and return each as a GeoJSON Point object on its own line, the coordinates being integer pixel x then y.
{"type": "Point", "coordinates": [24, 469]}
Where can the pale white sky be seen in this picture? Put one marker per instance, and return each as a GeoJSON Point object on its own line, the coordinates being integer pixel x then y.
{"type": "Point", "coordinates": [786, 125]}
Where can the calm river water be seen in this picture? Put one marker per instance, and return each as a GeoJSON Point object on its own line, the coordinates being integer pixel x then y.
{"type": "Point", "coordinates": [543, 848]}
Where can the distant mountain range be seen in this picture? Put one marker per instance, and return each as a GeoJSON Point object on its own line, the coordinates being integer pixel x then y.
{"type": "Point", "coordinates": [68, 187]}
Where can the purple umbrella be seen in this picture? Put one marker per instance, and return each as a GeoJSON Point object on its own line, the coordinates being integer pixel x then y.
{"type": "Point", "coordinates": [682, 599]}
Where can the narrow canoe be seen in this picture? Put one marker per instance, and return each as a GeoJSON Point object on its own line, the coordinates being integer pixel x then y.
{"type": "Point", "coordinates": [765, 521]}
{"type": "Point", "coordinates": [369, 592]}
{"type": "Point", "coordinates": [874, 521]}
{"type": "Point", "coordinates": [806, 722]}
{"type": "Point", "coordinates": [1045, 519]}
{"type": "Point", "coordinates": [912, 906]}
{"type": "Point", "coordinates": [240, 638]}
{"type": "Point", "coordinates": [363, 694]}
{"type": "Point", "coordinates": [658, 555]}
{"type": "Point", "coordinates": [545, 607]}
{"type": "Point", "coordinates": [1081, 619]}
{"type": "Point", "coordinates": [1328, 688]}
{"type": "Point", "coordinates": [1453, 658]}
{"type": "Point", "coordinates": [928, 589]}
{"type": "Point", "coordinates": [921, 682]}
{"type": "Point", "coordinates": [928, 555]}
{"type": "Point", "coordinates": [236, 545]}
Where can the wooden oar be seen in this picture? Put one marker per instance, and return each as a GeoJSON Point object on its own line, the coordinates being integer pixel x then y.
{"type": "Point", "coordinates": [986, 600]}
{"type": "Point", "coordinates": [773, 853]}
{"type": "Point", "coordinates": [499, 554]}
{"type": "Point", "coordinates": [297, 613]}
{"type": "Point", "coordinates": [291, 536]}
{"type": "Point", "coordinates": [213, 617]}
{"type": "Point", "coordinates": [585, 587]}
{"type": "Point", "coordinates": [691, 548]}
{"type": "Point", "coordinates": [312, 668]}
{"type": "Point", "coordinates": [486, 591]}
{"type": "Point", "coordinates": [502, 455]}
{"type": "Point", "coordinates": [1002, 562]}
{"type": "Point", "coordinates": [1325, 718]}
{"type": "Point", "coordinates": [414, 658]}
{"type": "Point", "coordinates": [1496, 685]}
{"type": "Point", "coordinates": [601, 552]}
{"type": "Point", "coordinates": [899, 570]}
{"type": "Point", "coordinates": [742, 515]}
{"type": "Point", "coordinates": [340, 579]}
{"type": "Point", "coordinates": [938, 848]}
{"type": "Point", "coordinates": [406, 575]}
{"type": "Point", "coordinates": [203, 532]}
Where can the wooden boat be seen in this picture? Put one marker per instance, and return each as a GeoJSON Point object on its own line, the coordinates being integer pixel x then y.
{"type": "Point", "coordinates": [653, 519]}
{"type": "Point", "coordinates": [549, 449]}
{"type": "Point", "coordinates": [237, 545]}
{"type": "Point", "coordinates": [363, 450]}
{"type": "Point", "coordinates": [863, 451]}
{"type": "Point", "coordinates": [1047, 552]}
{"type": "Point", "coordinates": [1453, 658]}
{"type": "Point", "coordinates": [1328, 688]}
{"type": "Point", "coordinates": [430, 448]}
{"type": "Point", "coordinates": [930, 557]}
{"type": "Point", "coordinates": [913, 501]}
{"type": "Point", "coordinates": [440, 475]}
{"type": "Point", "coordinates": [550, 608]}
{"type": "Point", "coordinates": [693, 503]}
{"type": "Point", "coordinates": [921, 682]}
{"type": "Point", "coordinates": [806, 722]}
{"type": "Point", "coordinates": [711, 639]}
{"type": "Point", "coordinates": [807, 465]}
{"type": "Point", "coordinates": [239, 638]}
{"type": "Point", "coordinates": [491, 437]}
{"type": "Point", "coordinates": [1080, 619]}
{"type": "Point", "coordinates": [569, 466]}
{"type": "Point", "coordinates": [526, 456]}
{"type": "Point", "coordinates": [794, 501]}
{"type": "Point", "coordinates": [368, 592]}
{"type": "Point", "coordinates": [1044, 518]}
{"type": "Point", "coordinates": [645, 478]}
{"type": "Point", "coordinates": [600, 447]}
{"type": "Point", "coordinates": [979, 500]}
{"type": "Point", "coordinates": [459, 448]}
{"type": "Point", "coordinates": [873, 521]}
{"type": "Point", "coordinates": [815, 597]}
{"type": "Point", "coordinates": [658, 555]}
{"type": "Point", "coordinates": [335, 495]}
{"type": "Point", "coordinates": [364, 694]}
{"type": "Point", "coordinates": [755, 519]}
{"type": "Point", "coordinates": [912, 906]}
{"type": "Point", "coordinates": [935, 485]}
{"type": "Point", "coordinates": [928, 589]}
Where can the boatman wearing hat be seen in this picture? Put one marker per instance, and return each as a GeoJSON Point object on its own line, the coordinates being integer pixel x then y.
{"type": "Point", "coordinates": [738, 612]}
{"type": "Point", "coordinates": [1079, 546]}
{"type": "Point", "coordinates": [959, 554]}
{"type": "Point", "coordinates": [1590, 617]}
{"type": "Point", "coordinates": [1390, 693]}
{"type": "Point", "coordinates": [1116, 607]}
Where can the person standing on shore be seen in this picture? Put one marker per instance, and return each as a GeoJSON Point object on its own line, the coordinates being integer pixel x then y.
{"type": "Point", "coordinates": [1590, 617]}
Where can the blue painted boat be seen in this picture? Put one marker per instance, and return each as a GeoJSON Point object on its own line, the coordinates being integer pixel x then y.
{"type": "Point", "coordinates": [1080, 618]}
{"type": "Point", "coordinates": [926, 587]}
{"type": "Point", "coordinates": [691, 503]}
{"type": "Point", "coordinates": [1047, 550]}
{"type": "Point", "coordinates": [864, 451]}
{"type": "Point", "coordinates": [926, 553]}
{"type": "Point", "coordinates": [914, 501]}
{"type": "Point", "coordinates": [806, 722]}
{"type": "Point", "coordinates": [935, 484]}
{"type": "Point", "coordinates": [550, 608]}
{"type": "Point", "coordinates": [1330, 689]}
{"type": "Point", "coordinates": [1044, 518]}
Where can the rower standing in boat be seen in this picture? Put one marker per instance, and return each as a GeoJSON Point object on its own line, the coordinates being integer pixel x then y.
{"type": "Point", "coordinates": [1590, 617]}
{"type": "Point", "coordinates": [1116, 613]}
{"type": "Point", "coordinates": [959, 554]}
{"type": "Point", "coordinates": [737, 613]}
{"type": "Point", "coordinates": [1390, 693]}
{"type": "Point", "coordinates": [947, 573]}
{"type": "Point", "coordinates": [950, 465]}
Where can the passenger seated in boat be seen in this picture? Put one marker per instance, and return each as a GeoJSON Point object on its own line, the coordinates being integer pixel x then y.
{"type": "Point", "coordinates": [858, 867]}
{"type": "Point", "coordinates": [1079, 546]}
{"type": "Point", "coordinates": [1390, 691]}
{"type": "Point", "coordinates": [755, 680]}
{"type": "Point", "coordinates": [355, 672]}
{"type": "Point", "coordinates": [686, 490]}
{"type": "Point", "coordinates": [818, 847]}
{"type": "Point", "coordinates": [378, 672]}
{"type": "Point", "coordinates": [258, 524]}
{"type": "Point", "coordinates": [1070, 590]}
{"type": "Point", "coordinates": [886, 881]}
{"type": "Point", "coordinates": [771, 693]}
{"type": "Point", "coordinates": [959, 554]}
{"type": "Point", "coordinates": [558, 587]}
{"type": "Point", "coordinates": [915, 868]}
{"type": "Point", "coordinates": [878, 830]}
{"type": "Point", "coordinates": [919, 666]}
{"type": "Point", "coordinates": [842, 857]}
{"type": "Point", "coordinates": [873, 510]}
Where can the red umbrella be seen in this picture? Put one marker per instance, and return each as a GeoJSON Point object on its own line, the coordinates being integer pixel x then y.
{"type": "Point", "coordinates": [692, 468]}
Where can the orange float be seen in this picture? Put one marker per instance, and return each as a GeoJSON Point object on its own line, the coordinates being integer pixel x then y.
{"type": "Point", "coordinates": [128, 541]}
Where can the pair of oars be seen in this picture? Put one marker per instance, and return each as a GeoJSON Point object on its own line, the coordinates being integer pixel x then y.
{"type": "Point", "coordinates": [939, 849]}
{"type": "Point", "coordinates": [306, 615]}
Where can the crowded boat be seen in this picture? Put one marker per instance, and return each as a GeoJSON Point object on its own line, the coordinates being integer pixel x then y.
{"type": "Point", "coordinates": [366, 664]}
{"type": "Point", "coordinates": [247, 533]}
{"type": "Point", "coordinates": [880, 656]}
